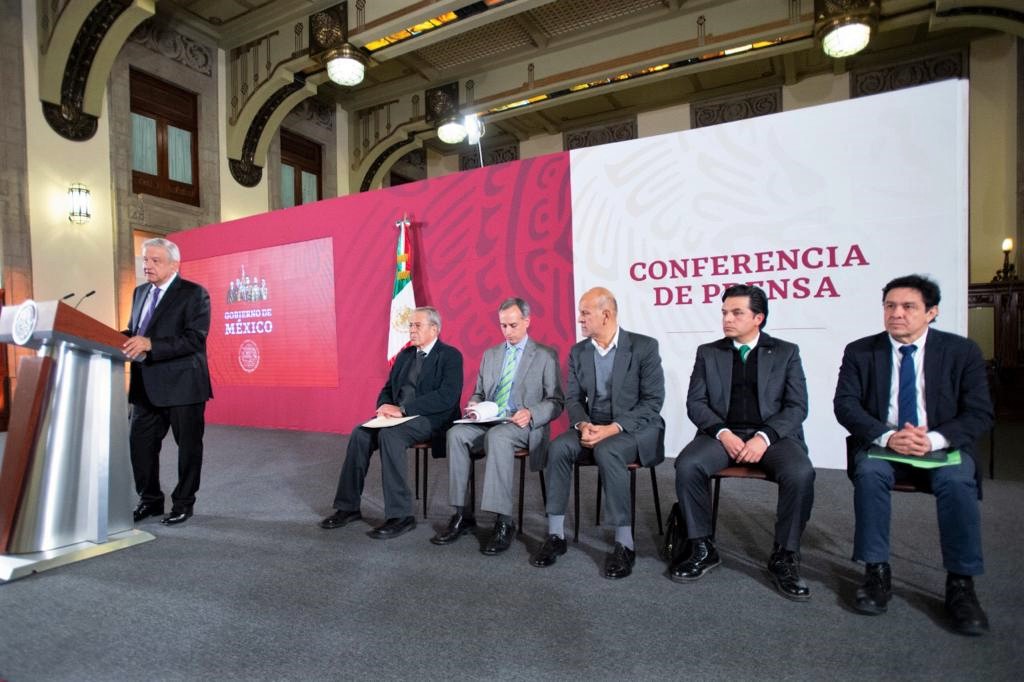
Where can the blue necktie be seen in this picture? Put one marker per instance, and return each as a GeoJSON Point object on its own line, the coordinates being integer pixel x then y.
{"type": "Point", "coordinates": [147, 315]}
{"type": "Point", "coordinates": [907, 402]}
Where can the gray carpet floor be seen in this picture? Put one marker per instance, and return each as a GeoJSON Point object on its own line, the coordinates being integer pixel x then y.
{"type": "Point", "coordinates": [251, 589]}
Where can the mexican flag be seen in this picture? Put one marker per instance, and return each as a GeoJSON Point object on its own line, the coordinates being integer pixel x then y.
{"type": "Point", "coordinates": [403, 301]}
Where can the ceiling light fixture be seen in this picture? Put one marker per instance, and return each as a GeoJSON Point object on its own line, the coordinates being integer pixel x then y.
{"type": "Point", "coordinates": [345, 65]}
{"type": "Point", "coordinates": [451, 130]}
{"type": "Point", "coordinates": [844, 27]}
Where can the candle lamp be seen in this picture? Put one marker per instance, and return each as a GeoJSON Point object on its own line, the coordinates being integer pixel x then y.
{"type": "Point", "coordinates": [1007, 272]}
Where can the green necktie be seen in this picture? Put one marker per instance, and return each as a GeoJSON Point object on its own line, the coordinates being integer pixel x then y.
{"type": "Point", "coordinates": [508, 371]}
{"type": "Point", "coordinates": [744, 351]}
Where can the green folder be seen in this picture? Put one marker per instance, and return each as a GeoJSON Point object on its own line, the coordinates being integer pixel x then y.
{"type": "Point", "coordinates": [934, 459]}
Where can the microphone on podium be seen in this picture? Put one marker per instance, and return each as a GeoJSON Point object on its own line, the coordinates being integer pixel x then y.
{"type": "Point", "coordinates": [67, 296]}
{"type": "Point", "coordinates": [83, 298]}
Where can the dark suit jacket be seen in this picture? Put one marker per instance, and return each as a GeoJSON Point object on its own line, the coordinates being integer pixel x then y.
{"type": "Point", "coordinates": [638, 392]}
{"type": "Point", "coordinates": [955, 384]}
{"type": "Point", "coordinates": [174, 372]}
{"type": "Point", "coordinates": [438, 389]}
{"type": "Point", "coordinates": [781, 387]}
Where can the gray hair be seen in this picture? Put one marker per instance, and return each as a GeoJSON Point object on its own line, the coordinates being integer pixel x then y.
{"type": "Point", "coordinates": [515, 302]}
{"type": "Point", "coordinates": [433, 316]}
{"type": "Point", "coordinates": [167, 245]}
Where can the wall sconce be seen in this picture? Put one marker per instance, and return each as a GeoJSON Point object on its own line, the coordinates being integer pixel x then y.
{"type": "Point", "coordinates": [844, 27]}
{"type": "Point", "coordinates": [79, 204]}
{"type": "Point", "coordinates": [1007, 272]}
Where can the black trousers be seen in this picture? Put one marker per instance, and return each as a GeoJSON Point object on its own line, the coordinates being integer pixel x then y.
{"type": "Point", "coordinates": [785, 462]}
{"type": "Point", "coordinates": [393, 443]}
{"type": "Point", "coordinates": [149, 426]}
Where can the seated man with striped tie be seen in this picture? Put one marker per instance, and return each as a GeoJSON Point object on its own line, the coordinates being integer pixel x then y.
{"type": "Point", "coordinates": [520, 376]}
{"type": "Point", "coordinates": [913, 390]}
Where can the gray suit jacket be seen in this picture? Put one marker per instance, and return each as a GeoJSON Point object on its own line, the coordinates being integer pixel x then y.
{"type": "Point", "coordinates": [536, 387]}
{"type": "Point", "coordinates": [638, 391]}
{"type": "Point", "coordinates": [781, 387]}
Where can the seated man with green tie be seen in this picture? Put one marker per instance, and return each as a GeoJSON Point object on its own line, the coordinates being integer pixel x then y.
{"type": "Point", "coordinates": [520, 378]}
{"type": "Point", "coordinates": [748, 399]}
{"type": "Point", "coordinates": [911, 391]}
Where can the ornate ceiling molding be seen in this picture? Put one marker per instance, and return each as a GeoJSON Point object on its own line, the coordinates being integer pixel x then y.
{"type": "Point", "coordinates": [80, 51]}
{"type": "Point", "coordinates": [175, 46]}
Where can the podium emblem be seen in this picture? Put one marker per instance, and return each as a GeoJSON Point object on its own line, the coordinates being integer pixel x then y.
{"type": "Point", "coordinates": [25, 322]}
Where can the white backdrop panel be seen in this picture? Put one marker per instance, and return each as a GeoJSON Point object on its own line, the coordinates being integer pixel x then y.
{"type": "Point", "coordinates": [858, 192]}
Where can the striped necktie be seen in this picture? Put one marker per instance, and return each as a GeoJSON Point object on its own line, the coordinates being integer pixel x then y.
{"type": "Point", "coordinates": [508, 370]}
{"type": "Point", "coordinates": [154, 296]}
{"type": "Point", "coordinates": [906, 403]}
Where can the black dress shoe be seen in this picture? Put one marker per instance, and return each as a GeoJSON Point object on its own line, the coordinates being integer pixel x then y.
{"type": "Point", "coordinates": [147, 509]}
{"type": "Point", "coordinates": [458, 525]}
{"type": "Point", "coordinates": [619, 562]}
{"type": "Point", "coordinates": [176, 517]}
{"type": "Point", "coordinates": [702, 558]}
{"type": "Point", "coordinates": [873, 596]}
{"type": "Point", "coordinates": [549, 552]}
{"type": "Point", "coordinates": [340, 518]}
{"type": "Point", "coordinates": [968, 618]}
{"type": "Point", "coordinates": [501, 539]}
{"type": "Point", "coordinates": [392, 528]}
{"type": "Point", "coordinates": [784, 568]}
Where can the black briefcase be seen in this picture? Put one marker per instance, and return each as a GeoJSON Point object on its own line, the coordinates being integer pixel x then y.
{"type": "Point", "coordinates": [675, 545]}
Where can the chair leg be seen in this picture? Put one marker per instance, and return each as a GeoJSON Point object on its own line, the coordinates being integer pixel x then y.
{"type": "Point", "coordinates": [632, 502]}
{"type": "Point", "coordinates": [425, 455]}
{"type": "Point", "coordinates": [472, 486]}
{"type": "Point", "coordinates": [657, 500]}
{"type": "Point", "coordinates": [416, 456]}
{"type": "Point", "coordinates": [543, 491]}
{"type": "Point", "coordinates": [597, 511]}
{"type": "Point", "coordinates": [522, 490]}
{"type": "Point", "coordinates": [717, 484]}
{"type": "Point", "coordinates": [576, 502]}
{"type": "Point", "coordinates": [992, 452]}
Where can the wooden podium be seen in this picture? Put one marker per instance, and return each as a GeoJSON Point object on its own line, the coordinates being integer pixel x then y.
{"type": "Point", "coordinates": [66, 490]}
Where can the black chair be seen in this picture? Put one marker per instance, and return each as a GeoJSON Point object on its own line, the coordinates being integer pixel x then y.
{"type": "Point", "coordinates": [588, 460]}
{"type": "Point", "coordinates": [753, 471]}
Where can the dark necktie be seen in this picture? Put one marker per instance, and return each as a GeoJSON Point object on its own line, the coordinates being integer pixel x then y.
{"type": "Point", "coordinates": [414, 371]}
{"type": "Point", "coordinates": [147, 315]}
{"type": "Point", "coordinates": [907, 401]}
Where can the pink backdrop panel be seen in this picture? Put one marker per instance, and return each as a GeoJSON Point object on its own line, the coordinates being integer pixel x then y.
{"type": "Point", "coordinates": [477, 238]}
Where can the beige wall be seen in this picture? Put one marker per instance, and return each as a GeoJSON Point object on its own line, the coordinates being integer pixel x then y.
{"type": "Point", "coordinates": [816, 90]}
{"type": "Point", "coordinates": [236, 201]}
{"type": "Point", "coordinates": [667, 120]}
{"type": "Point", "coordinates": [993, 159]}
{"type": "Point", "coordinates": [539, 145]}
{"type": "Point", "coordinates": [66, 257]}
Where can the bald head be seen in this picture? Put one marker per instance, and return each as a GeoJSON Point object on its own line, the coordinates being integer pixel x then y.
{"type": "Point", "coordinates": [599, 314]}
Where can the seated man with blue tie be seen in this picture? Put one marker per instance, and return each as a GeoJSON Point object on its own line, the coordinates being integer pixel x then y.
{"type": "Point", "coordinates": [520, 377]}
{"type": "Point", "coordinates": [748, 399]}
{"type": "Point", "coordinates": [913, 390]}
{"type": "Point", "coordinates": [425, 382]}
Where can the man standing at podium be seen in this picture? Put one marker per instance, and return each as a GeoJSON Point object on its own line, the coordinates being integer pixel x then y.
{"type": "Point", "coordinates": [170, 380]}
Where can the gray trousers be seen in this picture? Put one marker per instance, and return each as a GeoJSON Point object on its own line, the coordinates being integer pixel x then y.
{"type": "Point", "coordinates": [499, 442]}
{"type": "Point", "coordinates": [613, 455]}
{"type": "Point", "coordinates": [784, 461]}
{"type": "Point", "coordinates": [393, 443]}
